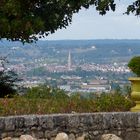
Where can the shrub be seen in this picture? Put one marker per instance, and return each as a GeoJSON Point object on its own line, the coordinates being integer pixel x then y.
{"type": "Point", "coordinates": [134, 65]}
{"type": "Point", "coordinates": [8, 79]}
{"type": "Point", "coordinates": [114, 102]}
{"type": "Point", "coordinates": [20, 105]}
{"type": "Point", "coordinates": [45, 92]}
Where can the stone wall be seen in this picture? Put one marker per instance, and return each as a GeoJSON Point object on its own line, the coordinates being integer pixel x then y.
{"type": "Point", "coordinates": [125, 125]}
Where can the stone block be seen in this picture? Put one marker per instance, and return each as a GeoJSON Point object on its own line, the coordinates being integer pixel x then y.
{"type": "Point", "coordinates": [113, 121]}
{"type": "Point", "coordinates": [26, 137]}
{"type": "Point", "coordinates": [73, 122]}
{"type": "Point", "coordinates": [9, 123]}
{"type": "Point", "coordinates": [71, 137]}
{"type": "Point", "coordinates": [46, 122]}
{"type": "Point", "coordinates": [110, 137]}
{"type": "Point", "coordinates": [60, 122]}
{"type": "Point", "coordinates": [132, 136]}
{"type": "Point", "coordinates": [31, 121]}
{"type": "Point", "coordinates": [7, 138]}
{"type": "Point", "coordinates": [49, 134]}
{"type": "Point", "coordinates": [19, 122]}
{"type": "Point", "coordinates": [130, 120]}
{"type": "Point", "coordinates": [2, 123]}
{"type": "Point", "coordinates": [97, 121]}
{"type": "Point", "coordinates": [62, 136]}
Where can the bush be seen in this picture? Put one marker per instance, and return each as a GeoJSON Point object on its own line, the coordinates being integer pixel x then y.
{"type": "Point", "coordinates": [48, 104]}
{"type": "Point", "coordinates": [8, 79]}
{"type": "Point", "coordinates": [114, 102]}
{"type": "Point", "coordinates": [134, 65]}
{"type": "Point", "coordinates": [45, 92]}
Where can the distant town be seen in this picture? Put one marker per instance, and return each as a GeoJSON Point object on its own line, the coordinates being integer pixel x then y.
{"type": "Point", "coordinates": [88, 66]}
{"type": "Point", "coordinates": [75, 82]}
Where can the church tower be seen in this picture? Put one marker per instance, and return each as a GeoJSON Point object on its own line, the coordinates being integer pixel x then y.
{"type": "Point", "coordinates": [69, 61]}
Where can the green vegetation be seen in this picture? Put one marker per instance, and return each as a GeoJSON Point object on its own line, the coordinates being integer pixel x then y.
{"type": "Point", "coordinates": [19, 19]}
{"type": "Point", "coordinates": [8, 79]}
{"type": "Point", "coordinates": [45, 92]}
{"type": "Point", "coordinates": [7, 83]}
{"type": "Point", "coordinates": [23, 19]}
{"type": "Point", "coordinates": [45, 100]}
{"type": "Point", "coordinates": [134, 65]}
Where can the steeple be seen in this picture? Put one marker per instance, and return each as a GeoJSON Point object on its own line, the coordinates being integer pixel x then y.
{"type": "Point", "coordinates": [69, 61]}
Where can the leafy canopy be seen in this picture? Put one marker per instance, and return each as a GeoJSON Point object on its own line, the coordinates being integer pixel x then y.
{"type": "Point", "coordinates": [23, 19]}
{"type": "Point", "coordinates": [134, 65]}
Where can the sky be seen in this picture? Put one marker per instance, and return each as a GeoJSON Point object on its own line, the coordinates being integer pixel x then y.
{"type": "Point", "coordinates": [88, 24]}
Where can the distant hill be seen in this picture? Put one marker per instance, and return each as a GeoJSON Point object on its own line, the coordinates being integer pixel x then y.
{"type": "Point", "coordinates": [83, 51]}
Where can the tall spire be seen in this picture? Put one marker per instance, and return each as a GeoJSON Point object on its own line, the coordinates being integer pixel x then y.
{"type": "Point", "coordinates": [69, 61]}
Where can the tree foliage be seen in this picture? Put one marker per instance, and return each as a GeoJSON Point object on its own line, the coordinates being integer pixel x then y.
{"type": "Point", "coordinates": [134, 65]}
{"type": "Point", "coordinates": [8, 78]}
{"type": "Point", "coordinates": [134, 8]}
{"type": "Point", "coordinates": [23, 19]}
{"type": "Point", "coordinates": [45, 92]}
